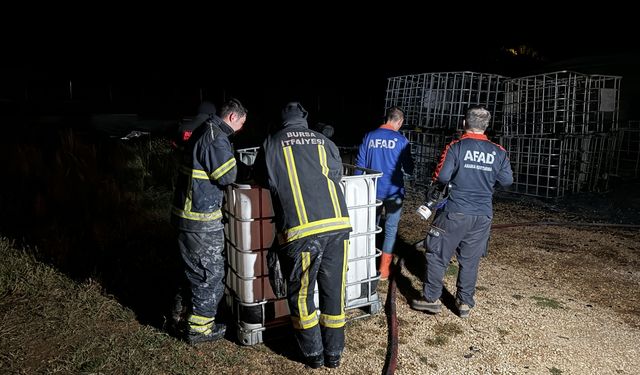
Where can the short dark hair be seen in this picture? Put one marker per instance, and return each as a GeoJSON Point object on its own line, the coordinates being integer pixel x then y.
{"type": "Point", "coordinates": [477, 117]}
{"type": "Point", "coordinates": [394, 113]}
{"type": "Point", "coordinates": [233, 105]}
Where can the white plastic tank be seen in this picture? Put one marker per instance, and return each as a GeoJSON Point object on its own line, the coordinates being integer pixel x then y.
{"type": "Point", "coordinates": [250, 232]}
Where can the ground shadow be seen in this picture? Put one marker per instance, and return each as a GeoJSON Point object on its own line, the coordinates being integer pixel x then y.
{"type": "Point", "coordinates": [413, 260]}
{"type": "Point", "coordinates": [281, 341]}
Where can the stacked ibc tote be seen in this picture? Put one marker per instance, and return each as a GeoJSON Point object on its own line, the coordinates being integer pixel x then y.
{"type": "Point", "coordinates": [250, 232]}
{"type": "Point", "coordinates": [559, 130]}
{"type": "Point", "coordinates": [435, 105]}
{"type": "Point", "coordinates": [628, 151]}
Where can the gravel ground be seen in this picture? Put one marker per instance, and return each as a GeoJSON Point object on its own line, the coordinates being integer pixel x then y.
{"type": "Point", "coordinates": [550, 300]}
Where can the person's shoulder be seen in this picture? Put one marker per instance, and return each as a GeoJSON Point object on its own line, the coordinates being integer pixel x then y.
{"type": "Point", "coordinates": [402, 136]}
{"type": "Point", "coordinates": [278, 133]}
{"type": "Point", "coordinates": [213, 134]}
{"type": "Point", "coordinates": [498, 146]}
{"type": "Point", "coordinates": [329, 142]}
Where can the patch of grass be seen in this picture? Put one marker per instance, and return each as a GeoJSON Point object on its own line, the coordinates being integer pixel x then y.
{"type": "Point", "coordinates": [502, 332]}
{"type": "Point", "coordinates": [381, 352]}
{"type": "Point", "coordinates": [547, 302]}
{"type": "Point", "coordinates": [437, 340]}
{"type": "Point", "coordinates": [481, 288]}
{"type": "Point", "coordinates": [229, 357]}
{"type": "Point", "coordinates": [452, 270]}
{"type": "Point", "coordinates": [555, 371]}
{"type": "Point", "coordinates": [66, 327]}
{"type": "Point", "coordinates": [443, 332]}
{"type": "Point", "coordinates": [517, 296]}
{"type": "Point", "coordinates": [21, 275]}
{"type": "Point", "coordinates": [449, 329]}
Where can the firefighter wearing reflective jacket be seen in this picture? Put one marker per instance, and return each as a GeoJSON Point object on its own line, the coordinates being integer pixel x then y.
{"type": "Point", "coordinates": [208, 165]}
{"type": "Point", "coordinates": [304, 170]}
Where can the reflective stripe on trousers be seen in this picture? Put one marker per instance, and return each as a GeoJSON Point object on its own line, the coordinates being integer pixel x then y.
{"type": "Point", "coordinates": [321, 258]}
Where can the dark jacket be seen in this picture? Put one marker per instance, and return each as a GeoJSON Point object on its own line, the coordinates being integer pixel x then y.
{"type": "Point", "coordinates": [473, 165]}
{"type": "Point", "coordinates": [303, 172]}
{"type": "Point", "coordinates": [208, 165]}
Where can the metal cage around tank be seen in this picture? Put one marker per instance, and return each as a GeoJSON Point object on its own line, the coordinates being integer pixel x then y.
{"type": "Point", "coordinates": [440, 100]}
{"type": "Point", "coordinates": [250, 232]}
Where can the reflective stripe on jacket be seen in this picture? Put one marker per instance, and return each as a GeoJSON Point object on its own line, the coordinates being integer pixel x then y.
{"type": "Point", "coordinates": [304, 171]}
{"type": "Point", "coordinates": [208, 165]}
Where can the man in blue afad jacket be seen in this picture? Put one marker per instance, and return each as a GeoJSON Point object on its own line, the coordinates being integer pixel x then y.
{"type": "Point", "coordinates": [386, 150]}
{"type": "Point", "coordinates": [473, 165]}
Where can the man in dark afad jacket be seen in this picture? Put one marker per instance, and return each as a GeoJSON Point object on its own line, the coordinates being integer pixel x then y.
{"type": "Point", "coordinates": [473, 165]}
{"type": "Point", "coordinates": [304, 170]}
{"type": "Point", "coordinates": [208, 165]}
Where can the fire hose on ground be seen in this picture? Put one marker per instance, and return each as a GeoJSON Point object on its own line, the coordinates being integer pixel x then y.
{"type": "Point", "coordinates": [391, 359]}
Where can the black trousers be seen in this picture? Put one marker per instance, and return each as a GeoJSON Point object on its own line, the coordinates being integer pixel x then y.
{"type": "Point", "coordinates": [321, 258]}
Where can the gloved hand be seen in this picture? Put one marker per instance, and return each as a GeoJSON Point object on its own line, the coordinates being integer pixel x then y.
{"type": "Point", "coordinates": [276, 279]}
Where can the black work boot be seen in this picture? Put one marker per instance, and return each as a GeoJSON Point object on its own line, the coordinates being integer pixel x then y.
{"type": "Point", "coordinates": [331, 361]}
{"type": "Point", "coordinates": [314, 361]}
{"type": "Point", "coordinates": [215, 333]}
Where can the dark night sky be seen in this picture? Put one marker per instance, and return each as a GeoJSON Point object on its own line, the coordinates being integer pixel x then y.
{"type": "Point", "coordinates": [336, 64]}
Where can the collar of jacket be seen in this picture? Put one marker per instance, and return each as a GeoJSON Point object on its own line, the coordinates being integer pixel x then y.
{"type": "Point", "coordinates": [295, 122]}
{"type": "Point", "coordinates": [474, 136]}
{"type": "Point", "coordinates": [226, 129]}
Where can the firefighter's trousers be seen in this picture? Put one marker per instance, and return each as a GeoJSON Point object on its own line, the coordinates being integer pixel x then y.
{"type": "Point", "coordinates": [203, 256]}
{"type": "Point", "coordinates": [321, 258]}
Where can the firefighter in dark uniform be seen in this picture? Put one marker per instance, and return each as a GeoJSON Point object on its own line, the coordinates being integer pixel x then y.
{"type": "Point", "coordinates": [208, 165]}
{"type": "Point", "coordinates": [304, 170]}
{"type": "Point", "coordinates": [472, 165]}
